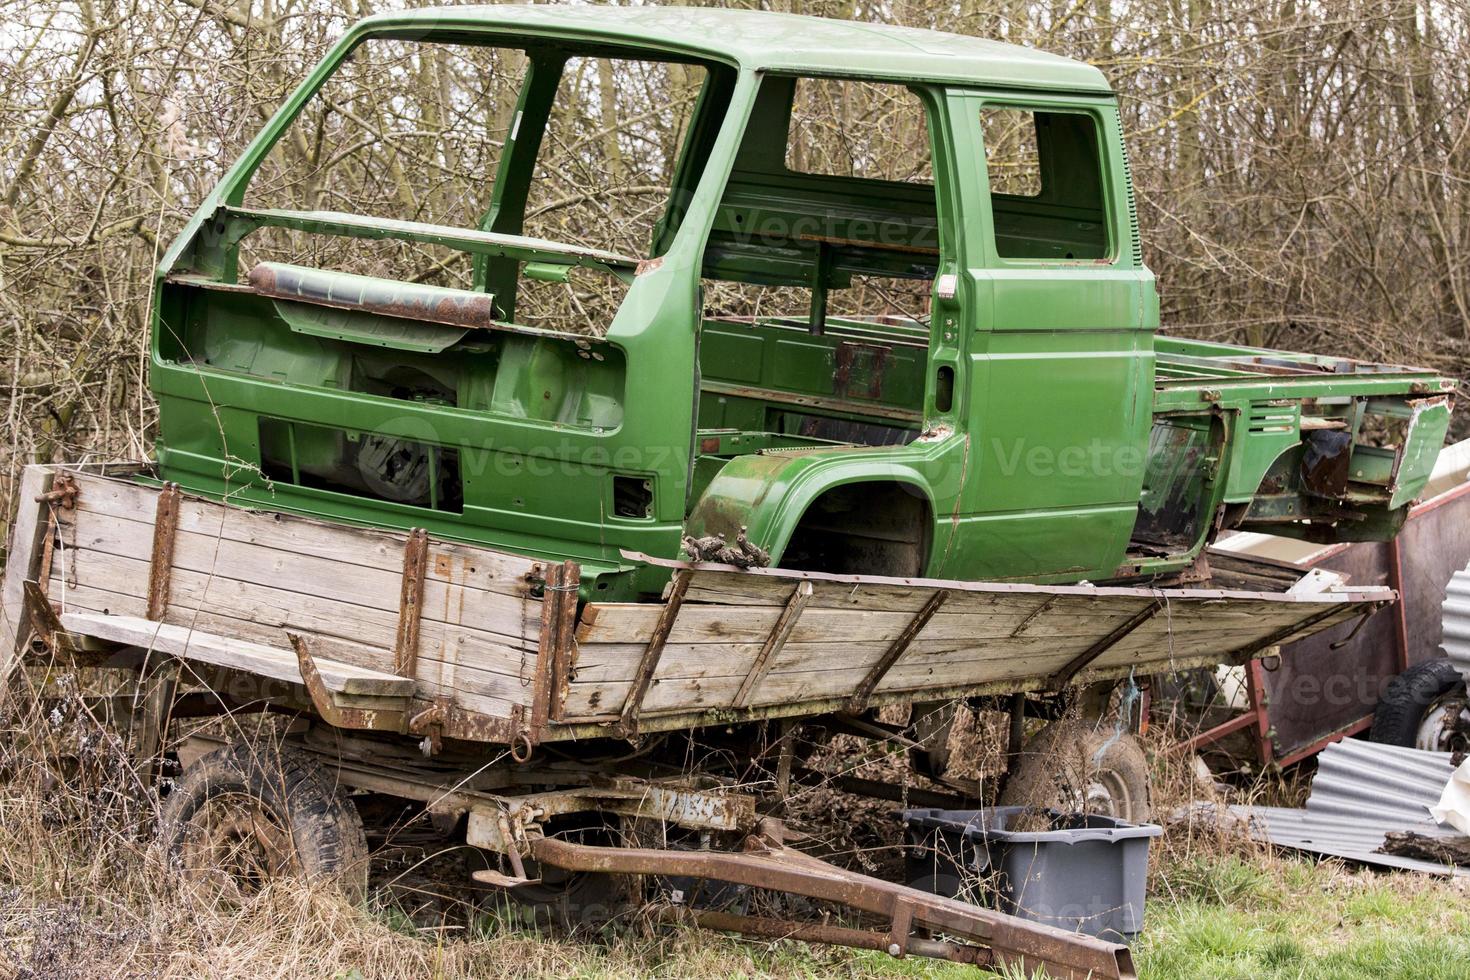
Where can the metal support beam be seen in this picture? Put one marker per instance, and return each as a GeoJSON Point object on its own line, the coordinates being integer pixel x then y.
{"type": "Point", "coordinates": [1014, 944]}
{"type": "Point", "coordinates": [858, 702]}
{"type": "Point", "coordinates": [410, 603]}
{"type": "Point", "coordinates": [627, 725]}
{"type": "Point", "coordinates": [775, 640]}
{"type": "Point", "coordinates": [161, 562]}
{"type": "Point", "coordinates": [1062, 677]}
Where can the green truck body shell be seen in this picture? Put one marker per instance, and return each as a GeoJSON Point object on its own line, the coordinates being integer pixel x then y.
{"type": "Point", "coordinates": [1036, 427]}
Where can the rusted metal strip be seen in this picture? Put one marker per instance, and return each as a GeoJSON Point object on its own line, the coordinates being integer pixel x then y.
{"type": "Point", "coordinates": [566, 640]}
{"type": "Point", "coordinates": [627, 725]}
{"type": "Point", "coordinates": [762, 927]}
{"type": "Point", "coordinates": [1060, 678]}
{"type": "Point", "coordinates": [410, 603]}
{"type": "Point", "coordinates": [161, 563]}
{"type": "Point", "coordinates": [62, 497]}
{"type": "Point", "coordinates": [1015, 944]}
{"type": "Point", "coordinates": [775, 640]}
{"type": "Point", "coordinates": [1031, 616]}
{"type": "Point", "coordinates": [553, 595]}
{"type": "Point", "coordinates": [382, 719]}
{"type": "Point", "coordinates": [859, 699]}
{"type": "Point", "coordinates": [44, 621]}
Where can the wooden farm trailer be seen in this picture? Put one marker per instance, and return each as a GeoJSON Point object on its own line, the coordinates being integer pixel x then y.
{"type": "Point", "coordinates": [478, 684]}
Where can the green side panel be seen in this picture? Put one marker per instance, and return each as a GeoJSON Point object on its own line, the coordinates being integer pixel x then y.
{"type": "Point", "coordinates": [1428, 423]}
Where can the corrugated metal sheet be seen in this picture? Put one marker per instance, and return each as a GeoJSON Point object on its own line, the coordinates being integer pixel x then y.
{"type": "Point", "coordinates": [1457, 621]}
{"type": "Point", "coordinates": [1362, 791]}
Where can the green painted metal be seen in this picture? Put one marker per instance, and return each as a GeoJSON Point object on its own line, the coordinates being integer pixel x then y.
{"type": "Point", "coordinates": [1036, 427]}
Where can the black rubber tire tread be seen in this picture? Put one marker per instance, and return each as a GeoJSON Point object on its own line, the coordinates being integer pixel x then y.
{"type": "Point", "coordinates": [1058, 760]}
{"type": "Point", "coordinates": [325, 828]}
{"type": "Point", "coordinates": [1400, 710]}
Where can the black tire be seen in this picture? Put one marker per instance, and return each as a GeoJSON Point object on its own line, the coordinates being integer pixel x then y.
{"type": "Point", "coordinates": [246, 812]}
{"type": "Point", "coordinates": [1067, 766]}
{"type": "Point", "coordinates": [1407, 697]}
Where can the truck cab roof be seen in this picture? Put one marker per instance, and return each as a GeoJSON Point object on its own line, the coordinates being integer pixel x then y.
{"type": "Point", "coordinates": [769, 41]}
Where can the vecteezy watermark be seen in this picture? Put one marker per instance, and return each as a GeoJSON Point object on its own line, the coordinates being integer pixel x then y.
{"type": "Point", "coordinates": [1097, 458]}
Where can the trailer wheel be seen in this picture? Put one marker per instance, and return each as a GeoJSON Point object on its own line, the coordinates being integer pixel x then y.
{"type": "Point", "coordinates": [1068, 766]}
{"type": "Point", "coordinates": [1423, 708]}
{"type": "Point", "coordinates": [246, 813]}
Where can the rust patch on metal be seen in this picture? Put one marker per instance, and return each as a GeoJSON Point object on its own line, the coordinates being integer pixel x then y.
{"type": "Point", "coordinates": [161, 562]}
{"type": "Point", "coordinates": [1326, 464]}
{"type": "Point", "coordinates": [60, 499]}
{"type": "Point", "coordinates": [63, 492]}
{"type": "Point", "coordinates": [410, 603]}
{"type": "Point", "coordinates": [859, 370]}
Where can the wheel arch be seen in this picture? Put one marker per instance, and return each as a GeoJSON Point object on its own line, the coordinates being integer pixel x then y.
{"type": "Point", "coordinates": [772, 496]}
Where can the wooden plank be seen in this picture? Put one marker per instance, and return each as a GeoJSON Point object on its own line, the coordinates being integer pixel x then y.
{"type": "Point", "coordinates": [23, 547]}
{"type": "Point", "coordinates": [838, 647]}
{"type": "Point", "coordinates": [467, 565]}
{"type": "Point", "coordinates": [470, 688]}
{"type": "Point", "coordinates": [281, 609]}
{"type": "Point", "coordinates": [1027, 657]}
{"type": "Point", "coordinates": [633, 622]}
{"type": "Point", "coordinates": [311, 574]}
{"type": "Point", "coordinates": [630, 622]}
{"type": "Point", "coordinates": [780, 633]}
{"type": "Point", "coordinates": [233, 653]}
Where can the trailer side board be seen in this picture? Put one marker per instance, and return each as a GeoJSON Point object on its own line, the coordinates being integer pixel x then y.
{"type": "Point", "coordinates": [743, 639]}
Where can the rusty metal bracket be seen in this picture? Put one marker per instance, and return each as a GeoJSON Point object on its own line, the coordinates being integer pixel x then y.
{"type": "Point", "coordinates": [410, 603]}
{"type": "Point", "coordinates": [63, 492]}
{"type": "Point", "coordinates": [44, 621]}
{"type": "Point", "coordinates": [858, 701]}
{"type": "Point", "coordinates": [1062, 677]}
{"type": "Point", "coordinates": [977, 935]}
{"type": "Point", "coordinates": [565, 639]}
{"type": "Point", "coordinates": [430, 724]}
{"type": "Point", "coordinates": [627, 724]}
{"type": "Point", "coordinates": [161, 562]}
{"type": "Point", "coordinates": [1357, 628]}
{"type": "Point", "coordinates": [61, 497]}
{"type": "Point", "coordinates": [553, 653]}
{"type": "Point", "coordinates": [381, 719]}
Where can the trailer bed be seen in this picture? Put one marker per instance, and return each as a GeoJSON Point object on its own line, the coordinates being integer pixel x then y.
{"type": "Point", "coordinates": [399, 632]}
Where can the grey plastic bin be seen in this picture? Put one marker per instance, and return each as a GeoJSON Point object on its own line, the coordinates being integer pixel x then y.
{"type": "Point", "coordinates": [1087, 873]}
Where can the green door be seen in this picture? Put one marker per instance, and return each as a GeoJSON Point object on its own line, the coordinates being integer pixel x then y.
{"type": "Point", "coordinates": [1059, 335]}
